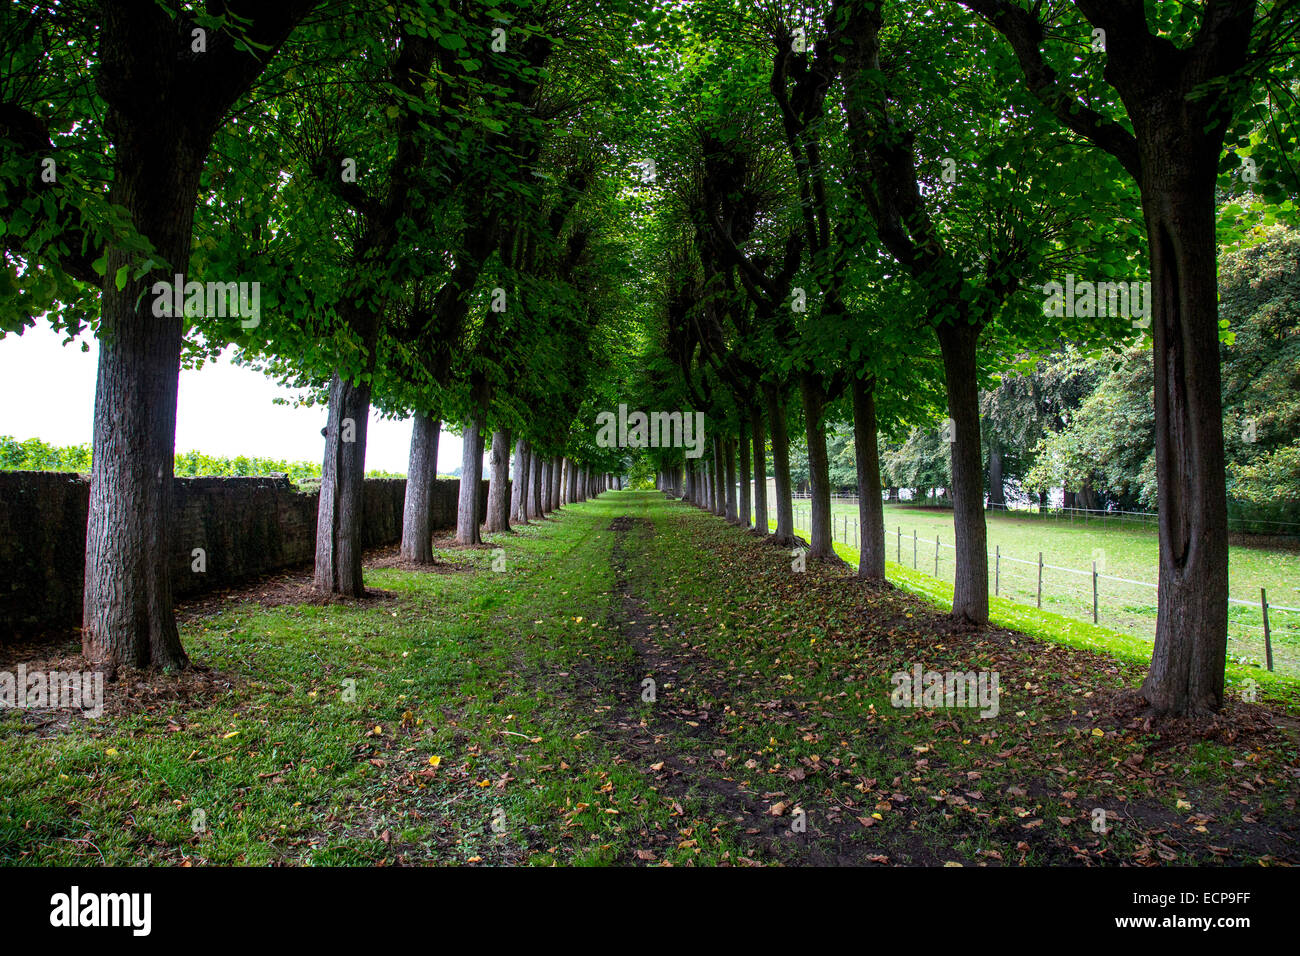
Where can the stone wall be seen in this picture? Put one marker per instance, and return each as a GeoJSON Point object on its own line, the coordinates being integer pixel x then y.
{"type": "Point", "coordinates": [246, 527]}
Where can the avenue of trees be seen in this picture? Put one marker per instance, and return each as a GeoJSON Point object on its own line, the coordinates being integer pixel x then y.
{"type": "Point", "coordinates": [1084, 421]}
{"type": "Point", "coordinates": [807, 221]}
{"type": "Point", "coordinates": [872, 202]}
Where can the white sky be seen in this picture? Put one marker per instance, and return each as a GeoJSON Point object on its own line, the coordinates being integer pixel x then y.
{"type": "Point", "coordinates": [47, 391]}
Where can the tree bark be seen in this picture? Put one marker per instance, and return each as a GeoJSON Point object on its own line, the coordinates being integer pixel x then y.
{"type": "Point", "coordinates": [534, 484]}
{"type": "Point", "coordinates": [1188, 659]}
{"type": "Point", "coordinates": [498, 504]}
{"type": "Point", "coordinates": [342, 491]}
{"type": "Point", "coordinates": [729, 475]}
{"type": "Point", "coordinates": [421, 475]}
{"type": "Point", "coordinates": [746, 516]}
{"type": "Point", "coordinates": [518, 499]}
{"type": "Point", "coordinates": [871, 510]}
{"type": "Point", "coordinates": [958, 344]}
{"type": "Point", "coordinates": [719, 477]}
{"type": "Point", "coordinates": [997, 495]}
{"type": "Point", "coordinates": [557, 467]}
{"type": "Point", "coordinates": [784, 535]}
{"type": "Point", "coordinates": [471, 478]}
{"type": "Point", "coordinates": [760, 470]}
{"type": "Point", "coordinates": [820, 545]}
{"type": "Point", "coordinates": [127, 597]}
{"type": "Point", "coordinates": [544, 488]}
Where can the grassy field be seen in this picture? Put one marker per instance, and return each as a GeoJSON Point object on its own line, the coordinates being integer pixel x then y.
{"type": "Point", "coordinates": [1120, 550]}
{"type": "Point", "coordinates": [472, 717]}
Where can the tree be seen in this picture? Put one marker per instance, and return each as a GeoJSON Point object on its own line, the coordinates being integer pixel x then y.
{"type": "Point", "coordinates": [975, 202]}
{"type": "Point", "coordinates": [1174, 78]}
{"type": "Point", "coordinates": [168, 78]}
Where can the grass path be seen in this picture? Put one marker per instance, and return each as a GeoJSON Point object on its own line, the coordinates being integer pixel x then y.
{"type": "Point", "coordinates": [468, 716]}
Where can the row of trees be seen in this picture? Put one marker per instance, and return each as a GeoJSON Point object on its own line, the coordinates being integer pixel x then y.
{"type": "Point", "coordinates": [1084, 421]}
{"type": "Point", "coordinates": [479, 211]}
{"type": "Point", "coordinates": [416, 195]}
{"type": "Point", "coordinates": [868, 201]}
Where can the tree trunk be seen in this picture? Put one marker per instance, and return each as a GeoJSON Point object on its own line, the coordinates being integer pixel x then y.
{"type": "Point", "coordinates": [784, 535]}
{"type": "Point", "coordinates": [127, 610]}
{"type": "Point", "coordinates": [997, 496]}
{"type": "Point", "coordinates": [421, 474]}
{"type": "Point", "coordinates": [1087, 497]}
{"type": "Point", "coordinates": [161, 122]}
{"type": "Point", "coordinates": [544, 488]}
{"type": "Point", "coordinates": [871, 510]}
{"type": "Point", "coordinates": [471, 478]}
{"type": "Point", "coordinates": [719, 477]}
{"type": "Point", "coordinates": [820, 544]}
{"type": "Point", "coordinates": [534, 484]}
{"type": "Point", "coordinates": [518, 499]}
{"type": "Point", "coordinates": [342, 491]}
{"type": "Point", "coordinates": [760, 470]}
{"type": "Point", "coordinates": [557, 467]}
{"type": "Point", "coordinates": [746, 517]}
{"type": "Point", "coordinates": [1188, 659]}
{"type": "Point", "coordinates": [729, 475]}
{"type": "Point", "coordinates": [958, 344]}
{"type": "Point", "coordinates": [498, 505]}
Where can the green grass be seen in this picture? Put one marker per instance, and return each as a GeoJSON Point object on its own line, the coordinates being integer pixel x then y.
{"type": "Point", "coordinates": [455, 668]}
{"type": "Point", "coordinates": [523, 686]}
{"type": "Point", "coordinates": [1060, 629]}
{"type": "Point", "coordinates": [1122, 550]}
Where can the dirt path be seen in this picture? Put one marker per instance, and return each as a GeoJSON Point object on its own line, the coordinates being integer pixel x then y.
{"type": "Point", "coordinates": [681, 740]}
{"type": "Point", "coordinates": [681, 744]}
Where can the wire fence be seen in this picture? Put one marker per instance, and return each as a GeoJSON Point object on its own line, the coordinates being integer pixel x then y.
{"type": "Point", "coordinates": [1260, 634]}
{"type": "Point", "coordinates": [1256, 526]}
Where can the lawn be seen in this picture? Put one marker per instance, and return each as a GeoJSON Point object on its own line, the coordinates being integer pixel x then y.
{"type": "Point", "coordinates": [642, 684]}
{"type": "Point", "coordinates": [1121, 550]}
